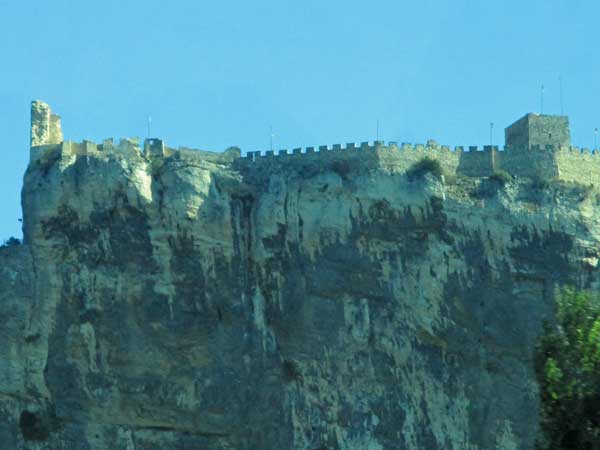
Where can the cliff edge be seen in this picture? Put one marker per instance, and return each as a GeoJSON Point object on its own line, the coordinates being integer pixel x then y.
{"type": "Point", "coordinates": [183, 302]}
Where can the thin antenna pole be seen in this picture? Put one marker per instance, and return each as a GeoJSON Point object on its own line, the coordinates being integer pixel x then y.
{"type": "Point", "coordinates": [492, 146]}
{"type": "Point", "coordinates": [562, 111]}
{"type": "Point", "coordinates": [377, 129]}
{"type": "Point", "coordinates": [542, 101]}
{"type": "Point", "coordinates": [271, 137]}
{"type": "Point", "coordinates": [149, 124]}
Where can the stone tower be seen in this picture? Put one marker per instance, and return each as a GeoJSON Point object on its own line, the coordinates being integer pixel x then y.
{"type": "Point", "coordinates": [538, 129]}
{"type": "Point", "coordinates": [45, 126]}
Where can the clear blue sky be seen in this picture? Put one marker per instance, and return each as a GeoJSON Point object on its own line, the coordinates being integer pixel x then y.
{"type": "Point", "coordinates": [214, 74]}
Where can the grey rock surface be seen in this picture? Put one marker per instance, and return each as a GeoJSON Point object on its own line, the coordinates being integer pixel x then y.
{"type": "Point", "coordinates": [172, 303]}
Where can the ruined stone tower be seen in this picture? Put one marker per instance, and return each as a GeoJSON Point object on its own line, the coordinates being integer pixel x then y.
{"type": "Point", "coordinates": [45, 126]}
{"type": "Point", "coordinates": [538, 129]}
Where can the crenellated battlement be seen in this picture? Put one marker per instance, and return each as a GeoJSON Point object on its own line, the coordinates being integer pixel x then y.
{"type": "Point", "coordinates": [257, 156]}
{"type": "Point", "coordinates": [69, 148]}
{"type": "Point", "coordinates": [130, 147]}
{"type": "Point", "coordinates": [530, 151]}
{"type": "Point", "coordinates": [540, 161]}
{"type": "Point", "coordinates": [313, 151]}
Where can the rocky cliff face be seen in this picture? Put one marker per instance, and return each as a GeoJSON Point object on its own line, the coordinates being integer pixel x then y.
{"type": "Point", "coordinates": [185, 304]}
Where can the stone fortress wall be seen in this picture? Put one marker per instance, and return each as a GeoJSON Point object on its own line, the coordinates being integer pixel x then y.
{"type": "Point", "coordinates": [529, 153]}
{"type": "Point", "coordinates": [578, 165]}
{"type": "Point", "coordinates": [47, 139]}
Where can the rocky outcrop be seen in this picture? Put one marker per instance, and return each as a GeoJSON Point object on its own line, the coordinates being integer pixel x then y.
{"type": "Point", "coordinates": [178, 303]}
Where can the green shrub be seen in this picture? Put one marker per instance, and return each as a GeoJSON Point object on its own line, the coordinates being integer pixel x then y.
{"type": "Point", "coordinates": [501, 177]}
{"type": "Point", "coordinates": [11, 242]}
{"type": "Point", "coordinates": [424, 166]}
{"type": "Point", "coordinates": [540, 183]}
{"type": "Point", "coordinates": [341, 167]}
{"type": "Point", "coordinates": [567, 364]}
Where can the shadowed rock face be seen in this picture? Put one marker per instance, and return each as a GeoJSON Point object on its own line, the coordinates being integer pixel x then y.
{"type": "Point", "coordinates": [181, 304]}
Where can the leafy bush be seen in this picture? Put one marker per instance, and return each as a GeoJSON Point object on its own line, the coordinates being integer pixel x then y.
{"type": "Point", "coordinates": [568, 369]}
{"type": "Point", "coordinates": [501, 177]}
{"type": "Point", "coordinates": [341, 167]}
{"type": "Point", "coordinates": [424, 166]}
{"type": "Point", "coordinates": [540, 183]}
{"type": "Point", "coordinates": [11, 242]}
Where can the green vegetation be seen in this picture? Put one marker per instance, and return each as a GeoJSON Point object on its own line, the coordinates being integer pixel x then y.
{"type": "Point", "coordinates": [501, 177]}
{"type": "Point", "coordinates": [342, 168]}
{"type": "Point", "coordinates": [568, 369]}
{"type": "Point", "coordinates": [11, 242]}
{"type": "Point", "coordinates": [424, 166]}
{"type": "Point", "coordinates": [541, 184]}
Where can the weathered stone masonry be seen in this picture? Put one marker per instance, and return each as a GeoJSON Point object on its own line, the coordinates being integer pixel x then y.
{"type": "Point", "coordinates": [174, 298]}
{"type": "Point", "coordinates": [536, 146]}
{"type": "Point", "coordinates": [45, 126]}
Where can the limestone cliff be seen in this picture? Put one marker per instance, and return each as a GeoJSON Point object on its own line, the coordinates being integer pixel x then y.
{"type": "Point", "coordinates": [176, 302]}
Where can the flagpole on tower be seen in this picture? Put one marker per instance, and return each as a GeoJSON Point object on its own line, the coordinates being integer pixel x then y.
{"type": "Point", "coordinates": [542, 100]}
{"type": "Point", "coordinates": [562, 112]}
{"type": "Point", "coordinates": [492, 146]}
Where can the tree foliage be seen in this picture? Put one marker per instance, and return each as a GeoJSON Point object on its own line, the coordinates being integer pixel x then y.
{"type": "Point", "coordinates": [424, 166]}
{"type": "Point", "coordinates": [568, 370]}
{"type": "Point", "coordinates": [501, 177]}
{"type": "Point", "coordinates": [11, 242]}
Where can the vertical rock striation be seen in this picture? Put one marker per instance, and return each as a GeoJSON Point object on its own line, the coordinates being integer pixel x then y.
{"type": "Point", "coordinates": [183, 303]}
